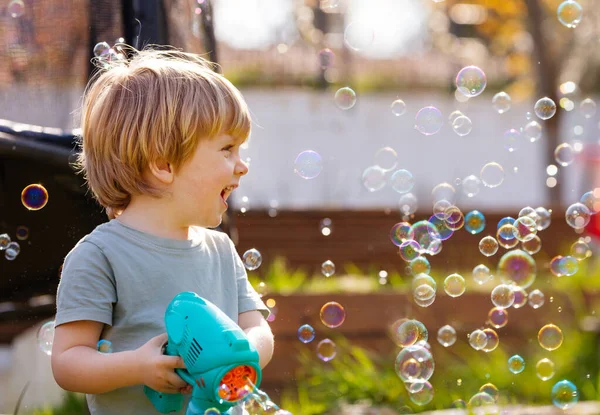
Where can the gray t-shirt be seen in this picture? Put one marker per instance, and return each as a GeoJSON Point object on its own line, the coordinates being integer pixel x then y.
{"type": "Point", "coordinates": [125, 279]}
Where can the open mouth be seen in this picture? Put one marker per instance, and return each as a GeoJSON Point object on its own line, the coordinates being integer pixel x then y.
{"type": "Point", "coordinates": [226, 192]}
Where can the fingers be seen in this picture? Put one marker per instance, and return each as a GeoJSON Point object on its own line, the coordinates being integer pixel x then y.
{"type": "Point", "coordinates": [175, 381]}
{"type": "Point", "coordinates": [160, 339]}
{"type": "Point", "coordinates": [174, 362]}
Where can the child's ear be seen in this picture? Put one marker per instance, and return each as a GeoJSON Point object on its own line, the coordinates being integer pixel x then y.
{"type": "Point", "coordinates": [162, 170]}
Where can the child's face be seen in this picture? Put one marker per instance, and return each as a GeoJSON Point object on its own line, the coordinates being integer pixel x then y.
{"type": "Point", "coordinates": [203, 184]}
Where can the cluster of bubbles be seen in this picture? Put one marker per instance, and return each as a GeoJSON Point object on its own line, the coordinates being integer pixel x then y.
{"type": "Point", "coordinates": [11, 248]}
{"type": "Point", "coordinates": [108, 56]}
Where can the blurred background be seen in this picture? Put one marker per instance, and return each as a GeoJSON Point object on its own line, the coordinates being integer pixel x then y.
{"type": "Point", "coordinates": [344, 95]}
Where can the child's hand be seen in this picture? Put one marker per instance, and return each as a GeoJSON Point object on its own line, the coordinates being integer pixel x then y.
{"type": "Point", "coordinates": [157, 370]}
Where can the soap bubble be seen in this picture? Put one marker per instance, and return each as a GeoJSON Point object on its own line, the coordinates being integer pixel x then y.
{"type": "Point", "coordinates": [101, 49]}
{"type": "Point", "coordinates": [578, 216]}
{"type": "Point", "coordinates": [550, 337]}
{"type": "Point", "coordinates": [252, 259]}
{"type": "Point", "coordinates": [568, 265]}
{"type": "Point", "coordinates": [512, 140]}
{"type": "Point", "coordinates": [104, 346]}
{"type": "Point", "coordinates": [345, 98]}
{"type": "Point", "coordinates": [569, 13]}
{"type": "Point", "coordinates": [517, 267]}
{"type": "Point", "coordinates": [373, 178]}
{"type": "Point", "coordinates": [588, 107]}
{"type": "Point", "coordinates": [545, 219]}
{"type": "Point", "coordinates": [34, 197]}
{"type": "Point", "coordinates": [402, 181]}
{"type": "Point", "coordinates": [498, 317]}
{"type": "Point", "coordinates": [591, 200]}
{"type": "Point", "coordinates": [481, 274]}
{"type": "Point", "coordinates": [22, 233]}
{"type": "Point", "coordinates": [506, 220]}
{"type": "Point", "coordinates": [306, 333]}
{"type": "Point", "coordinates": [532, 246]}
{"type": "Point", "coordinates": [443, 191]}
{"type": "Point", "coordinates": [545, 108]}
{"type": "Point", "coordinates": [212, 411]}
{"type": "Point", "coordinates": [482, 403]}
{"type": "Point", "coordinates": [536, 299]}
{"type": "Point", "coordinates": [581, 250]}
{"type": "Point", "coordinates": [326, 57]}
{"type": "Point", "coordinates": [488, 245]}
{"type": "Point", "coordinates": [524, 228]}
{"type": "Point", "coordinates": [426, 234]}
{"type": "Point", "coordinates": [308, 164]}
{"type": "Point", "coordinates": [386, 158]}
{"type": "Point", "coordinates": [420, 265]}
{"type": "Point", "coordinates": [420, 392]}
{"type": "Point", "coordinates": [471, 185]}
{"type": "Point", "coordinates": [520, 297]}
{"type": "Point", "coordinates": [414, 363]}
{"type": "Point", "coordinates": [492, 340]}
{"type": "Point", "coordinates": [564, 154]}
{"type": "Point", "coordinates": [474, 222]}
{"type": "Point", "coordinates": [564, 393]}
{"type": "Point", "coordinates": [444, 231]}
{"type": "Point", "coordinates": [411, 332]}
{"type": "Point", "coordinates": [533, 131]}
{"type": "Point", "coordinates": [398, 107]}
{"type": "Point", "coordinates": [462, 125]}
{"type": "Point", "coordinates": [409, 250]}
{"type": "Point", "coordinates": [446, 336]}
{"type": "Point", "coordinates": [16, 8]}
{"type": "Point", "coordinates": [440, 209]}
{"type": "Point", "coordinates": [501, 102]}
{"type": "Point", "coordinates": [408, 204]}
{"type": "Point", "coordinates": [471, 81]}
{"type": "Point", "coordinates": [555, 265]}
{"type": "Point", "coordinates": [424, 287]}
{"type": "Point", "coordinates": [477, 339]}
{"type": "Point", "coordinates": [516, 364]}
{"type": "Point", "coordinates": [491, 390]}
{"type": "Point", "coordinates": [4, 241]}
{"type": "Point", "coordinates": [492, 175]}
{"type": "Point", "coordinates": [359, 35]}
{"type": "Point", "coordinates": [12, 251]}
{"type": "Point", "coordinates": [503, 296]}
{"type": "Point", "coordinates": [332, 314]}
{"type": "Point", "coordinates": [455, 285]}
{"type": "Point", "coordinates": [326, 350]}
{"type": "Point", "coordinates": [45, 337]}
{"type": "Point", "coordinates": [506, 237]}
{"type": "Point", "coordinates": [325, 226]}
{"type": "Point", "coordinates": [429, 120]}
{"type": "Point", "coordinates": [328, 268]}
{"type": "Point", "coordinates": [544, 369]}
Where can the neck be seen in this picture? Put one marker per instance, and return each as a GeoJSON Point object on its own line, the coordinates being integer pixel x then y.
{"type": "Point", "coordinates": [154, 216]}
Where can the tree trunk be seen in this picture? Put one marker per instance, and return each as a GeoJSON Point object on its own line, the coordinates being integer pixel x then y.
{"type": "Point", "coordinates": [547, 83]}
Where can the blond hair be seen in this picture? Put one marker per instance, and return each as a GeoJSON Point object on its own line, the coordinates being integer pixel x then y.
{"type": "Point", "coordinates": [155, 106]}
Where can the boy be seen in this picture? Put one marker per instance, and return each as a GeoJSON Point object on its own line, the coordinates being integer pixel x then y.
{"type": "Point", "coordinates": [161, 136]}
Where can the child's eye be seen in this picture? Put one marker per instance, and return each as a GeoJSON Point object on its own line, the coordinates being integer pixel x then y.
{"type": "Point", "coordinates": [227, 148]}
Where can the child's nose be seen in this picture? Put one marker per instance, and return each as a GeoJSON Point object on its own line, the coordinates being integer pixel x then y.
{"type": "Point", "coordinates": [241, 168]}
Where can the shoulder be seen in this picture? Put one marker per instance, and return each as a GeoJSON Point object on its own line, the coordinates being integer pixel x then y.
{"type": "Point", "coordinates": [90, 247]}
{"type": "Point", "coordinates": [219, 240]}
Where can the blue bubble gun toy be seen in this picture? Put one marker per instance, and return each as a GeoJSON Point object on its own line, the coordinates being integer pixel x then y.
{"type": "Point", "coordinates": [221, 364]}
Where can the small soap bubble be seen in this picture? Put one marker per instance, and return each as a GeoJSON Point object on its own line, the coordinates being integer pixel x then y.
{"type": "Point", "coordinates": [462, 125]}
{"type": "Point", "coordinates": [16, 8]}
{"type": "Point", "coordinates": [477, 339]}
{"type": "Point", "coordinates": [4, 241]}
{"type": "Point", "coordinates": [564, 393]}
{"type": "Point", "coordinates": [328, 268]}
{"type": "Point", "coordinates": [252, 259]}
{"type": "Point", "coordinates": [501, 102]}
{"type": "Point", "coordinates": [503, 296]}
{"type": "Point", "coordinates": [409, 250]}
{"type": "Point", "coordinates": [420, 265]}
{"type": "Point", "coordinates": [491, 390]}
{"type": "Point", "coordinates": [443, 191]}
{"type": "Point", "coordinates": [326, 57]}
{"type": "Point", "coordinates": [532, 246]}
{"type": "Point", "coordinates": [455, 285]}
{"type": "Point", "coordinates": [493, 340]}
{"type": "Point", "coordinates": [544, 369]}
{"type": "Point", "coordinates": [581, 250]}
{"type": "Point", "coordinates": [212, 411]}
{"type": "Point", "coordinates": [401, 232]}
{"type": "Point", "coordinates": [420, 392]}
{"type": "Point", "coordinates": [506, 237]}
{"type": "Point", "coordinates": [588, 107]}
{"type": "Point", "coordinates": [578, 216]}
{"type": "Point", "coordinates": [591, 200]}
{"type": "Point", "coordinates": [429, 120]}
{"type": "Point", "coordinates": [482, 403]}
{"type": "Point", "coordinates": [550, 337]}
{"type": "Point", "coordinates": [545, 108]}
{"type": "Point", "coordinates": [488, 245]}
{"type": "Point", "coordinates": [471, 185]}
{"type": "Point", "coordinates": [555, 265]}
{"type": "Point", "coordinates": [45, 337]}
{"type": "Point", "coordinates": [492, 175]}
{"type": "Point", "coordinates": [12, 251]}
{"type": "Point", "coordinates": [569, 13]}
{"type": "Point", "coordinates": [308, 164]}
{"type": "Point", "coordinates": [506, 220]}
{"type": "Point", "coordinates": [402, 181]}
{"type": "Point", "coordinates": [414, 363]}
{"type": "Point", "coordinates": [224, 393]}
{"type": "Point", "coordinates": [481, 274]}
{"type": "Point", "coordinates": [326, 350]}
{"type": "Point", "coordinates": [373, 178]}
{"type": "Point", "coordinates": [411, 332]}
{"type": "Point", "coordinates": [104, 346]}
{"type": "Point", "coordinates": [512, 140]}
{"type": "Point", "coordinates": [498, 317]}
{"type": "Point", "coordinates": [22, 233]}
{"type": "Point", "coordinates": [459, 403]}
{"type": "Point", "coordinates": [545, 218]}
{"type": "Point", "coordinates": [568, 265]}
{"type": "Point", "coordinates": [536, 299]}
{"type": "Point", "coordinates": [398, 107]}
{"type": "Point", "coordinates": [516, 364]}
{"type": "Point", "coordinates": [359, 35]}
{"type": "Point", "coordinates": [533, 131]}
{"type": "Point", "coordinates": [386, 158]}
{"type": "Point", "coordinates": [474, 222]}
{"type": "Point", "coordinates": [34, 197]}
{"type": "Point", "coordinates": [564, 154]}
{"type": "Point", "coordinates": [101, 49]}
{"type": "Point", "coordinates": [520, 297]}
{"type": "Point", "coordinates": [446, 336]}
{"type": "Point", "coordinates": [518, 268]}
{"type": "Point", "coordinates": [332, 314]}
{"type": "Point", "coordinates": [471, 81]}
{"type": "Point", "coordinates": [524, 228]}
{"type": "Point", "coordinates": [345, 98]}
{"type": "Point", "coordinates": [306, 333]}
{"type": "Point", "coordinates": [408, 204]}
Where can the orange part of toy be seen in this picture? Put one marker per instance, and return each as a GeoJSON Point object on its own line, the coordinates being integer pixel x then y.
{"type": "Point", "coordinates": [237, 383]}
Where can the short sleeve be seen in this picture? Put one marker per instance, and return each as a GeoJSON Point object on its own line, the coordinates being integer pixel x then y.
{"type": "Point", "coordinates": [87, 289]}
{"type": "Point", "coordinates": [248, 298]}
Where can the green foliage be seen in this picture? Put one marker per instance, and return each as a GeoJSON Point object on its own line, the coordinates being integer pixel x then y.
{"type": "Point", "coordinates": [72, 404]}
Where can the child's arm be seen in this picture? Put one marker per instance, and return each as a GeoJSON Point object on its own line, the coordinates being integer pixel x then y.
{"type": "Point", "coordinates": [77, 366]}
{"type": "Point", "coordinates": [259, 334]}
